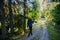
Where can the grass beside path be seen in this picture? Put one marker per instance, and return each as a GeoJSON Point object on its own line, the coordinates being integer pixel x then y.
{"type": "Point", "coordinates": [54, 35]}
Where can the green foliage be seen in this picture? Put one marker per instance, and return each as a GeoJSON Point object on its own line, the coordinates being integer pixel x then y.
{"type": "Point", "coordinates": [18, 21]}
{"type": "Point", "coordinates": [54, 34]}
{"type": "Point", "coordinates": [56, 14]}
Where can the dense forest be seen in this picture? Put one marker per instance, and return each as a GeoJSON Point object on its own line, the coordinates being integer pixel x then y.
{"type": "Point", "coordinates": [12, 12]}
{"type": "Point", "coordinates": [14, 15]}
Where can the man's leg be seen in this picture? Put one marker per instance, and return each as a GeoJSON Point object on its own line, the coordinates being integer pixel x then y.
{"type": "Point", "coordinates": [31, 30]}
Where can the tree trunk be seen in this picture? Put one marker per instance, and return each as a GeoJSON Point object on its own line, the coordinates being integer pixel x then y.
{"type": "Point", "coordinates": [24, 15]}
{"type": "Point", "coordinates": [10, 15]}
{"type": "Point", "coordinates": [3, 18]}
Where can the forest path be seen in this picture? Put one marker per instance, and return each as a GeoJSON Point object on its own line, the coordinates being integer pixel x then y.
{"type": "Point", "coordinates": [35, 32]}
{"type": "Point", "coordinates": [44, 35]}
{"type": "Point", "coordinates": [39, 33]}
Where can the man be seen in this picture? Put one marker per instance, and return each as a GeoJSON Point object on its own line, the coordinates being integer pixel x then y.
{"type": "Point", "coordinates": [30, 22]}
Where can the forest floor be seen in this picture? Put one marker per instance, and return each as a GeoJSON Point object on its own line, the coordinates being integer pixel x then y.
{"type": "Point", "coordinates": [39, 33]}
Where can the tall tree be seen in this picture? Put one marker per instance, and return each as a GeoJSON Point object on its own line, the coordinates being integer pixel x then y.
{"type": "Point", "coordinates": [10, 15]}
{"type": "Point", "coordinates": [2, 12]}
{"type": "Point", "coordinates": [24, 15]}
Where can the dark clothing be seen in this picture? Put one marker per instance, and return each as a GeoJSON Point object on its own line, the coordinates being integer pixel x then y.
{"type": "Point", "coordinates": [30, 31]}
{"type": "Point", "coordinates": [30, 22]}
